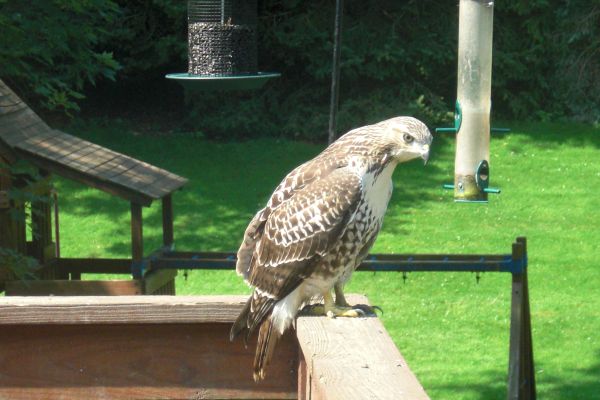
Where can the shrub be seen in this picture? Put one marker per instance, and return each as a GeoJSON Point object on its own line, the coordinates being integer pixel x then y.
{"type": "Point", "coordinates": [51, 49]}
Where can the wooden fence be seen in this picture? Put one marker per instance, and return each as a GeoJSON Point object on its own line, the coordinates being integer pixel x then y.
{"type": "Point", "coordinates": [167, 347]}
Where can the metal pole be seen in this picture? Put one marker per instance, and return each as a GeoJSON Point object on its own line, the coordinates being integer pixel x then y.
{"type": "Point", "coordinates": [335, 71]}
{"type": "Point", "coordinates": [473, 96]}
{"type": "Point", "coordinates": [222, 12]}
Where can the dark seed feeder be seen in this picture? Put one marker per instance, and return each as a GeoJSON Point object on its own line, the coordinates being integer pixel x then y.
{"type": "Point", "coordinates": [222, 41]}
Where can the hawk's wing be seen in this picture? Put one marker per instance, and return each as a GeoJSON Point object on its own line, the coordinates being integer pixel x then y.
{"type": "Point", "coordinates": [300, 177]}
{"type": "Point", "coordinates": [300, 230]}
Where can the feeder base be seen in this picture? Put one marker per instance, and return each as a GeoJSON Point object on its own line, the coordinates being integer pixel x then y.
{"type": "Point", "coordinates": [202, 83]}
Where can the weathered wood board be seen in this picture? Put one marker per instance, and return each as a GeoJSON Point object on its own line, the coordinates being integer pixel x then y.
{"type": "Point", "coordinates": [352, 359]}
{"type": "Point", "coordinates": [177, 347]}
{"type": "Point", "coordinates": [24, 134]}
{"type": "Point", "coordinates": [143, 347]}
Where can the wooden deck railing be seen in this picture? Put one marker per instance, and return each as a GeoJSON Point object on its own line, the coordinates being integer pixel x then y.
{"type": "Point", "coordinates": [348, 358]}
{"type": "Point", "coordinates": [177, 347]}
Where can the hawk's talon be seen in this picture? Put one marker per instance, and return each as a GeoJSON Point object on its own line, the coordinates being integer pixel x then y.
{"type": "Point", "coordinates": [367, 310]}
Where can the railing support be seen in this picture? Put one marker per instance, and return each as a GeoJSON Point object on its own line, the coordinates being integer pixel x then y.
{"type": "Point", "coordinates": [521, 374]}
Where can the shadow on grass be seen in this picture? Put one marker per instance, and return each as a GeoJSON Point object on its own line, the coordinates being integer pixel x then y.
{"type": "Point", "coordinates": [551, 135]}
{"type": "Point", "coordinates": [582, 384]}
{"type": "Point", "coordinates": [228, 183]}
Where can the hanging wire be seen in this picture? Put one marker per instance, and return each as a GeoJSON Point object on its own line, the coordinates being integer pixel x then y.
{"type": "Point", "coordinates": [335, 71]}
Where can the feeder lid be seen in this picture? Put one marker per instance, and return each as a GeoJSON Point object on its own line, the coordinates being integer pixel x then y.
{"type": "Point", "coordinates": [223, 82]}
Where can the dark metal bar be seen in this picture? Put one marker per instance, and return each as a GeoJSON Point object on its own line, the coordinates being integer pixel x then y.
{"type": "Point", "coordinates": [93, 265]}
{"type": "Point", "coordinates": [191, 263]}
{"type": "Point", "coordinates": [371, 257]}
{"type": "Point", "coordinates": [335, 70]}
{"type": "Point", "coordinates": [431, 266]}
{"type": "Point", "coordinates": [200, 254]}
{"type": "Point", "coordinates": [441, 263]}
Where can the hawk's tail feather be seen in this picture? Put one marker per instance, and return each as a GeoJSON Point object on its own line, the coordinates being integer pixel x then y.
{"type": "Point", "coordinates": [258, 313]}
{"type": "Point", "coordinates": [267, 340]}
{"type": "Point", "coordinates": [241, 323]}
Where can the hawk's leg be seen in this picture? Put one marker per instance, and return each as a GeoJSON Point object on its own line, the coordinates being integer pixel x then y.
{"type": "Point", "coordinates": [340, 300]}
{"type": "Point", "coordinates": [331, 309]}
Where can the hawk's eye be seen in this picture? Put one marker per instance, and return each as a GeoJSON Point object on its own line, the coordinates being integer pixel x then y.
{"type": "Point", "coordinates": [408, 138]}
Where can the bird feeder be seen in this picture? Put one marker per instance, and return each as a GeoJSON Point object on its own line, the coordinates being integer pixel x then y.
{"type": "Point", "coordinates": [471, 167]}
{"type": "Point", "coordinates": [222, 46]}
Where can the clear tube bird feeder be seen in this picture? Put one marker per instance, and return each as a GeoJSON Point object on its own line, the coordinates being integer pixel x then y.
{"type": "Point", "coordinates": [473, 98]}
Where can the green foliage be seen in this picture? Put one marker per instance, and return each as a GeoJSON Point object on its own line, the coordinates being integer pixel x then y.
{"type": "Point", "coordinates": [386, 70]}
{"type": "Point", "coordinates": [546, 62]}
{"type": "Point", "coordinates": [400, 57]}
{"type": "Point", "coordinates": [20, 266]}
{"type": "Point", "coordinates": [50, 49]}
{"type": "Point", "coordinates": [397, 57]}
{"type": "Point", "coordinates": [29, 177]}
{"type": "Point", "coordinates": [149, 36]}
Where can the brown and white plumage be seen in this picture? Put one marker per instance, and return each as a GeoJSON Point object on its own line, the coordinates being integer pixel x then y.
{"type": "Point", "coordinates": [318, 225]}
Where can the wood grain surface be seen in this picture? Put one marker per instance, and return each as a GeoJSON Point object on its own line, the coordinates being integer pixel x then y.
{"type": "Point", "coordinates": [134, 361]}
{"type": "Point", "coordinates": [67, 310]}
{"type": "Point", "coordinates": [354, 358]}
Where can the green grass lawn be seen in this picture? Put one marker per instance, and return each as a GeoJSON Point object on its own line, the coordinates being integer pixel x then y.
{"type": "Point", "coordinates": [452, 330]}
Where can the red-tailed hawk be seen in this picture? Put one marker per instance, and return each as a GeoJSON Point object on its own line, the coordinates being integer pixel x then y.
{"type": "Point", "coordinates": [318, 226]}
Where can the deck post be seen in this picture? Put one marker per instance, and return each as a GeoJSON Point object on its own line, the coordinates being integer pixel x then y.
{"type": "Point", "coordinates": [521, 374]}
{"type": "Point", "coordinates": [352, 359]}
{"type": "Point", "coordinates": [41, 226]}
{"type": "Point", "coordinates": [8, 230]}
{"type": "Point", "coordinates": [167, 220]}
{"type": "Point", "coordinates": [137, 241]}
{"type": "Point", "coordinates": [303, 378]}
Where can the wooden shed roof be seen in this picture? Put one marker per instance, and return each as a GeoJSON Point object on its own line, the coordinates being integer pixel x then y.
{"type": "Point", "coordinates": [23, 134]}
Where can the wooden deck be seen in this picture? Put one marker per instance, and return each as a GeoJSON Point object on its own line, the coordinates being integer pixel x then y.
{"type": "Point", "coordinates": [353, 358]}
{"type": "Point", "coordinates": [24, 135]}
{"type": "Point", "coordinates": [170, 347]}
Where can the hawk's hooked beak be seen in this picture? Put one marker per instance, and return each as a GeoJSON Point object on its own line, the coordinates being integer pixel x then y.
{"type": "Point", "coordinates": [425, 153]}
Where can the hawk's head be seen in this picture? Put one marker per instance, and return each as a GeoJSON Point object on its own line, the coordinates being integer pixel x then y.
{"type": "Point", "coordinates": [407, 138]}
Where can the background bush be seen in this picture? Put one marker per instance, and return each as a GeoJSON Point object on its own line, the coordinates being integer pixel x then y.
{"type": "Point", "coordinates": [397, 57]}
{"type": "Point", "coordinates": [49, 50]}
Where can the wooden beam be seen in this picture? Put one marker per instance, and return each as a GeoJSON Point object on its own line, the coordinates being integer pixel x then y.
{"type": "Point", "coordinates": [137, 236]}
{"type": "Point", "coordinates": [6, 153]}
{"type": "Point", "coordinates": [167, 220]}
{"type": "Point", "coordinates": [354, 358]}
{"type": "Point", "coordinates": [74, 288]}
{"type": "Point", "coordinates": [8, 231]}
{"type": "Point", "coordinates": [303, 378]}
{"type": "Point", "coordinates": [86, 179]}
{"type": "Point", "coordinates": [145, 347]}
{"type": "Point", "coordinates": [119, 309]}
{"type": "Point", "coordinates": [41, 220]}
{"type": "Point", "coordinates": [155, 281]}
{"type": "Point", "coordinates": [521, 375]}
